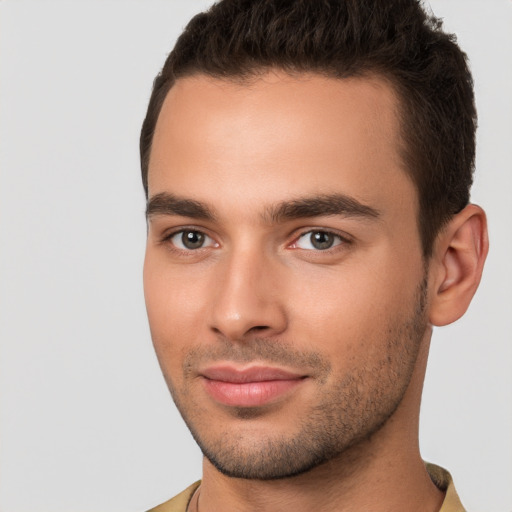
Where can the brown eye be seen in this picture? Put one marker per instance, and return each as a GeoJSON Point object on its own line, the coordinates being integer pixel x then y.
{"type": "Point", "coordinates": [190, 239]}
{"type": "Point", "coordinates": [321, 240]}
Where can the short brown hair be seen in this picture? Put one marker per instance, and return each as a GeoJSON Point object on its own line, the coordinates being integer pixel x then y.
{"type": "Point", "coordinates": [395, 39]}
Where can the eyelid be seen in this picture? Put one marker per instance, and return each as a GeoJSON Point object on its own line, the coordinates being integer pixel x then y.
{"type": "Point", "coordinates": [343, 239]}
{"type": "Point", "coordinates": [167, 237]}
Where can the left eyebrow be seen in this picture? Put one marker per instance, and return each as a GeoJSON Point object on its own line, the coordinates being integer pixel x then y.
{"type": "Point", "coordinates": [318, 206]}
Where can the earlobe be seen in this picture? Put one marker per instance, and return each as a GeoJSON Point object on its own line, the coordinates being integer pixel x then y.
{"type": "Point", "coordinates": [457, 264]}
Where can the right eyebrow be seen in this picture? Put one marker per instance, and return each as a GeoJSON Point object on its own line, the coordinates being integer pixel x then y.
{"type": "Point", "coordinates": [169, 204]}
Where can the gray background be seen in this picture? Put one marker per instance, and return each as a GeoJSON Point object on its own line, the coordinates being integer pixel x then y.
{"type": "Point", "coordinates": [86, 423]}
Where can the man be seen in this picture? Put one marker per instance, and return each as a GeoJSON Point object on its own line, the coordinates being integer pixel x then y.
{"type": "Point", "coordinates": [307, 166]}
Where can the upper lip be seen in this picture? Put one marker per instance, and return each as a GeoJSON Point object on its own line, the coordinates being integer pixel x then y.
{"type": "Point", "coordinates": [226, 373]}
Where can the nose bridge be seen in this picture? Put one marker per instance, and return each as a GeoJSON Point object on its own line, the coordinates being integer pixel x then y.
{"type": "Point", "coordinates": [247, 299]}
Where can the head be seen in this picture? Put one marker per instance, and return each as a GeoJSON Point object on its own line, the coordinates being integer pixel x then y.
{"type": "Point", "coordinates": [396, 41]}
{"type": "Point", "coordinates": [307, 166]}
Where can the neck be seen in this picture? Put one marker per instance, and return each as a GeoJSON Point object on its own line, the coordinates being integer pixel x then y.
{"type": "Point", "coordinates": [383, 473]}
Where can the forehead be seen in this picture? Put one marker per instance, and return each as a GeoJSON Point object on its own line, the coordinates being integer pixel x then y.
{"type": "Point", "coordinates": [276, 133]}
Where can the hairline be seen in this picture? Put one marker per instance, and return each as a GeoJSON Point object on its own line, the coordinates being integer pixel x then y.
{"type": "Point", "coordinates": [250, 75]}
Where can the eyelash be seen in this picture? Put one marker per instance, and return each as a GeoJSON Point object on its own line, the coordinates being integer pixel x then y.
{"type": "Point", "coordinates": [167, 239]}
{"type": "Point", "coordinates": [339, 240]}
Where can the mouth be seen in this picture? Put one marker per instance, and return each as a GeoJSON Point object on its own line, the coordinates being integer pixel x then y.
{"type": "Point", "coordinates": [249, 387]}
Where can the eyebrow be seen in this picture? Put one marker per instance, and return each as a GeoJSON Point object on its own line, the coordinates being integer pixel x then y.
{"type": "Point", "coordinates": [169, 204]}
{"type": "Point", "coordinates": [317, 206]}
{"type": "Point", "coordinates": [303, 207]}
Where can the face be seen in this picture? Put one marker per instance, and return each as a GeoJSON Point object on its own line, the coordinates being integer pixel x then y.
{"type": "Point", "coordinates": [283, 277]}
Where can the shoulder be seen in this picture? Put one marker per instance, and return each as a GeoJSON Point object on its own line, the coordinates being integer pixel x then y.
{"type": "Point", "coordinates": [443, 481]}
{"type": "Point", "coordinates": [179, 503]}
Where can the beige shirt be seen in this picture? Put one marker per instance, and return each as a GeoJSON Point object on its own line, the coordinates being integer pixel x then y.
{"type": "Point", "coordinates": [439, 476]}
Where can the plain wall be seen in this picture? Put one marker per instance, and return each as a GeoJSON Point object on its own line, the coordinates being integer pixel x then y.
{"type": "Point", "coordinates": [86, 421]}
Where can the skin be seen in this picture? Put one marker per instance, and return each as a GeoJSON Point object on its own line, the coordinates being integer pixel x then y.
{"type": "Point", "coordinates": [353, 320]}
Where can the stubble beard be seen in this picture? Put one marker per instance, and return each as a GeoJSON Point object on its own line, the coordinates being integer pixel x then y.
{"type": "Point", "coordinates": [354, 409]}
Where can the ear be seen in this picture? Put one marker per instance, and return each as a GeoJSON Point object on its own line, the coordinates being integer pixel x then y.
{"type": "Point", "coordinates": [456, 265]}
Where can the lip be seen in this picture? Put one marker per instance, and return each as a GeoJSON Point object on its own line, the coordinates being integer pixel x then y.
{"type": "Point", "coordinates": [249, 387]}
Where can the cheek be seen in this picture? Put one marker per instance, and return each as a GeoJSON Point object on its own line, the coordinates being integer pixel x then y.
{"type": "Point", "coordinates": [173, 296]}
{"type": "Point", "coordinates": [349, 311]}
{"type": "Point", "coordinates": [172, 309]}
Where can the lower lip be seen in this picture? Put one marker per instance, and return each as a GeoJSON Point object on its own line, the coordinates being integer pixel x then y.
{"type": "Point", "coordinates": [249, 394]}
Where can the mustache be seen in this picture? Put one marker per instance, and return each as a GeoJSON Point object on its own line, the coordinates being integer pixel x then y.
{"type": "Point", "coordinates": [263, 350]}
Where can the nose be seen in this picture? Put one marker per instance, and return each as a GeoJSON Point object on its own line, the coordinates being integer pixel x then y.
{"type": "Point", "coordinates": [248, 299]}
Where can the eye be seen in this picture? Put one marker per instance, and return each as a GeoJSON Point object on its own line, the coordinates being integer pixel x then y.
{"type": "Point", "coordinates": [190, 239]}
{"type": "Point", "coordinates": [318, 240]}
